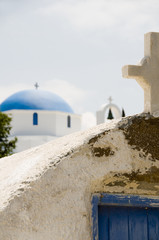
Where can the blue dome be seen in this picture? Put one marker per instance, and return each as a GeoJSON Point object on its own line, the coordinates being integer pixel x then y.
{"type": "Point", "coordinates": [35, 100]}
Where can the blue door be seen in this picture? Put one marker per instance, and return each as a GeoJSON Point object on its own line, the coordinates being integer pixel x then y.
{"type": "Point", "coordinates": [128, 223]}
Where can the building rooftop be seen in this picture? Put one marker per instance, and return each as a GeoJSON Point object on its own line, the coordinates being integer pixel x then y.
{"type": "Point", "coordinates": [35, 100]}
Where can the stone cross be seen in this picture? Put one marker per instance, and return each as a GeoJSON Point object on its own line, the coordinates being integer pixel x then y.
{"type": "Point", "coordinates": [146, 72]}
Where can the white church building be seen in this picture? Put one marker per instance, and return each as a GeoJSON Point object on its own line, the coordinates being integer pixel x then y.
{"type": "Point", "coordinates": [39, 116]}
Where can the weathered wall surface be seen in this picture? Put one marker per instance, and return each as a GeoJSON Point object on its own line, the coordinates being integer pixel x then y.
{"type": "Point", "coordinates": [46, 192]}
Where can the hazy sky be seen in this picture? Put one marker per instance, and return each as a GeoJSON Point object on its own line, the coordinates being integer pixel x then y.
{"type": "Point", "coordinates": [75, 49]}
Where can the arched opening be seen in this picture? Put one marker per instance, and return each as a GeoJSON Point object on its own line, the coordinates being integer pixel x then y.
{"type": "Point", "coordinates": [103, 113]}
{"type": "Point", "coordinates": [35, 119]}
{"type": "Point", "coordinates": [68, 121]}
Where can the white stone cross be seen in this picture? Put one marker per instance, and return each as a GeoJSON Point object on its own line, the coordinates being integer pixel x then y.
{"type": "Point", "coordinates": [146, 72]}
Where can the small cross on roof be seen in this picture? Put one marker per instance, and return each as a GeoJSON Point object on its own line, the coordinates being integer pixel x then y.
{"type": "Point", "coordinates": [36, 85]}
{"type": "Point", "coordinates": [110, 99]}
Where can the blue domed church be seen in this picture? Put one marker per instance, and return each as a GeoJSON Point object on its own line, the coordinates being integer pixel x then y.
{"type": "Point", "coordinates": [39, 116]}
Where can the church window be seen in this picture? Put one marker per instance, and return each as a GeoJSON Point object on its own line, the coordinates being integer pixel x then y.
{"type": "Point", "coordinates": [35, 119]}
{"type": "Point", "coordinates": [68, 121]}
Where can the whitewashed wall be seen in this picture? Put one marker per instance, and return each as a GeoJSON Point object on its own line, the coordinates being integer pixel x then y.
{"type": "Point", "coordinates": [49, 123]}
{"type": "Point", "coordinates": [46, 191]}
{"type": "Point", "coordinates": [61, 124]}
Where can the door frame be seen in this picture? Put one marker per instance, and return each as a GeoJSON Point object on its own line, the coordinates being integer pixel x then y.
{"type": "Point", "coordinates": [118, 200]}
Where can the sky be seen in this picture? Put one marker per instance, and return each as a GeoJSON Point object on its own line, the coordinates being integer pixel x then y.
{"type": "Point", "coordinates": [75, 49]}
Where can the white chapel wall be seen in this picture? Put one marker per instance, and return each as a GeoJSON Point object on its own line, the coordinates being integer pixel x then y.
{"type": "Point", "coordinates": [22, 122]}
{"type": "Point", "coordinates": [62, 123]}
{"type": "Point", "coordinates": [46, 191]}
{"type": "Point", "coordinates": [50, 123]}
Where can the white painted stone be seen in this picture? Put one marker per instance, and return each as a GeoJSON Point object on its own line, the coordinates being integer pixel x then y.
{"type": "Point", "coordinates": [147, 72]}
{"type": "Point", "coordinates": [46, 191]}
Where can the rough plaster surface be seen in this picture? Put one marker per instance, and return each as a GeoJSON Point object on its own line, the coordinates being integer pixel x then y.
{"type": "Point", "coordinates": [46, 191]}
